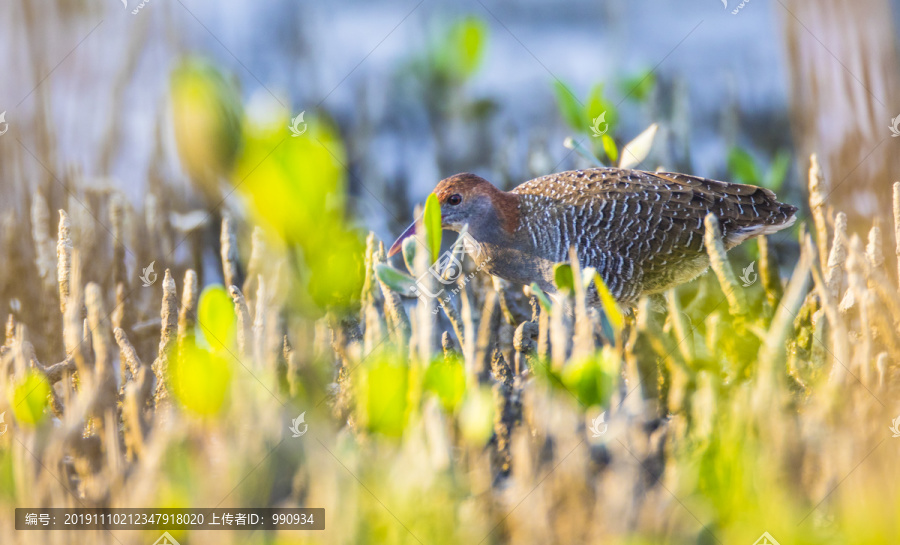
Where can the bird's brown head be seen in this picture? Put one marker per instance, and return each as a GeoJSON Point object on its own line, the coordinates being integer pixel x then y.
{"type": "Point", "coordinates": [469, 199]}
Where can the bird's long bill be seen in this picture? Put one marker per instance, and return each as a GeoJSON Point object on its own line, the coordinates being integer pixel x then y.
{"type": "Point", "coordinates": [398, 244]}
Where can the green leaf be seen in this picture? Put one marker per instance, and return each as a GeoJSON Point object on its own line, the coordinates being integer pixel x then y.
{"type": "Point", "coordinates": [570, 108]}
{"type": "Point", "coordinates": [634, 152]}
{"type": "Point", "coordinates": [446, 378]}
{"type": "Point", "coordinates": [200, 380]}
{"type": "Point", "coordinates": [394, 279]}
{"type": "Point", "coordinates": [610, 306]}
{"type": "Point", "coordinates": [592, 380]}
{"type": "Point", "coordinates": [638, 86]}
{"type": "Point", "coordinates": [29, 399]}
{"type": "Point", "coordinates": [541, 297]}
{"type": "Point", "coordinates": [215, 317]}
{"type": "Point", "coordinates": [743, 167]}
{"type": "Point", "coordinates": [609, 146]}
{"type": "Point", "coordinates": [382, 396]}
{"type": "Point", "coordinates": [465, 45]}
{"type": "Point", "coordinates": [598, 104]}
{"type": "Point", "coordinates": [562, 277]}
{"type": "Point", "coordinates": [779, 170]}
{"type": "Point", "coordinates": [476, 415]}
{"type": "Point", "coordinates": [432, 222]}
{"type": "Point", "coordinates": [409, 247]}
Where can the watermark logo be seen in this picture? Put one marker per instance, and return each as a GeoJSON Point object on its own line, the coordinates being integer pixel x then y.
{"type": "Point", "coordinates": [448, 270]}
{"type": "Point", "coordinates": [295, 425]}
{"type": "Point", "coordinates": [737, 9]}
{"type": "Point", "coordinates": [600, 120]}
{"type": "Point", "coordinates": [166, 539]}
{"type": "Point", "coordinates": [749, 277]}
{"type": "Point", "coordinates": [895, 126]}
{"type": "Point", "coordinates": [4, 426]}
{"type": "Point", "coordinates": [125, 4]}
{"type": "Point", "coordinates": [148, 277]}
{"type": "Point", "coordinates": [4, 126]}
{"type": "Point", "coordinates": [766, 539]}
{"type": "Point", "coordinates": [725, 3]}
{"type": "Point", "coordinates": [895, 427]}
{"type": "Point", "coordinates": [598, 425]}
{"type": "Point", "coordinates": [297, 126]}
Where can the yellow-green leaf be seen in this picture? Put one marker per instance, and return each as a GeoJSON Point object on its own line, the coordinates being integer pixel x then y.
{"type": "Point", "coordinates": [562, 277]}
{"type": "Point", "coordinates": [541, 297]}
{"type": "Point", "coordinates": [29, 399]}
{"type": "Point", "coordinates": [432, 222]}
{"type": "Point", "coordinates": [200, 380]}
{"type": "Point", "coordinates": [609, 146]}
{"type": "Point", "coordinates": [610, 306]}
{"type": "Point", "coordinates": [215, 314]}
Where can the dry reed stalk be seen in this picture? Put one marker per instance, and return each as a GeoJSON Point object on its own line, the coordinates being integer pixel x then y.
{"type": "Point", "coordinates": [455, 319]}
{"type": "Point", "coordinates": [167, 337]}
{"type": "Point", "coordinates": [479, 368]}
{"type": "Point", "coordinates": [507, 411]}
{"type": "Point", "coordinates": [712, 238]}
{"type": "Point", "coordinates": [834, 269]}
{"type": "Point", "coordinates": [40, 233]}
{"type": "Point", "coordinates": [768, 273]}
{"type": "Point", "coordinates": [103, 378]}
{"type": "Point", "coordinates": [561, 330]}
{"type": "Point", "coordinates": [896, 209]}
{"type": "Point", "coordinates": [425, 330]}
{"type": "Point", "coordinates": [64, 260]}
{"type": "Point", "coordinates": [129, 356]}
{"type": "Point", "coordinates": [856, 266]}
{"type": "Point", "coordinates": [816, 201]}
{"type": "Point", "coordinates": [881, 366]}
{"type": "Point", "coordinates": [681, 326]}
{"type": "Point", "coordinates": [243, 326]}
{"type": "Point", "coordinates": [772, 352]}
{"type": "Point", "coordinates": [229, 251]}
{"type": "Point", "coordinates": [525, 344]}
{"type": "Point", "coordinates": [583, 336]}
{"type": "Point", "coordinates": [838, 329]}
{"type": "Point", "coordinates": [397, 320]}
{"type": "Point", "coordinates": [257, 257]}
{"type": "Point", "coordinates": [259, 321]}
{"type": "Point", "coordinates": [874, 252]}
{"type": "Point", "coordinates": [74, 338]}
{"type": "Point", "coordinates": [187, 315]}
{"type": "Point", "coordinates": [117, 318]}
{"type": "Point", "coordinates": [117, 219]}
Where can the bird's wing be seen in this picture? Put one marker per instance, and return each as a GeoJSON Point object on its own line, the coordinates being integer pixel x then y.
{"type": "Point", "coordinates": [624, 220]}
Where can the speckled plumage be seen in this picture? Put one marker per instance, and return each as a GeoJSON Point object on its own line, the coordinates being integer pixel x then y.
{"type": "Point", "coordinates": [642, 231]}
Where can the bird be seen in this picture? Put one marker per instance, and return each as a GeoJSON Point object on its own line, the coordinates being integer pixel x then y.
{"type": "Point", "coordinates": [642, 231]}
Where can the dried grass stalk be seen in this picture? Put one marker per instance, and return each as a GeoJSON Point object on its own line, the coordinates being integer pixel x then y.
{"type": "Point", "coordinates": [104, 381]}
{"type": "Point", "coordinates": [187, 316]}
{"type": "Point", "coordinates": [712, 238]}
{"type": "Point", "coordinates": [63, 259]}
{"type": "Point", "coordinates": [229, 250]}
{"type": "Point", "coordinates": [768, 273]}
{"type": "Point", "coordinates": [244, 331]}
{"type": "Point", "coordinates": [167, 337]}
{"type": "Point", "coordinates": [834, 270]}
{"type": "Point", "coordinates": [897, 226]}
{"type": "Point", "coordinates": [816, 201]}
{"type": "Point", "coordinates": [117, 218]}
{"type": "Point", "coordinates": [40, 233]}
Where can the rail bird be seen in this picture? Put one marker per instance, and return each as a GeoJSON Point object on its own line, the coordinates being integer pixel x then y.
{"type": "Point", "coordinates": [642, 231]}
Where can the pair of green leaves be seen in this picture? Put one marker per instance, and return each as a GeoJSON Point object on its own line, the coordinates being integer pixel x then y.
{"type": "Point", "coordinates": [565, 281]}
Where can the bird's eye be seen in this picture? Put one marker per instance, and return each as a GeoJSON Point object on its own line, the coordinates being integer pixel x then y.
{"type": "Point", "coordinates": [454, 199]}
